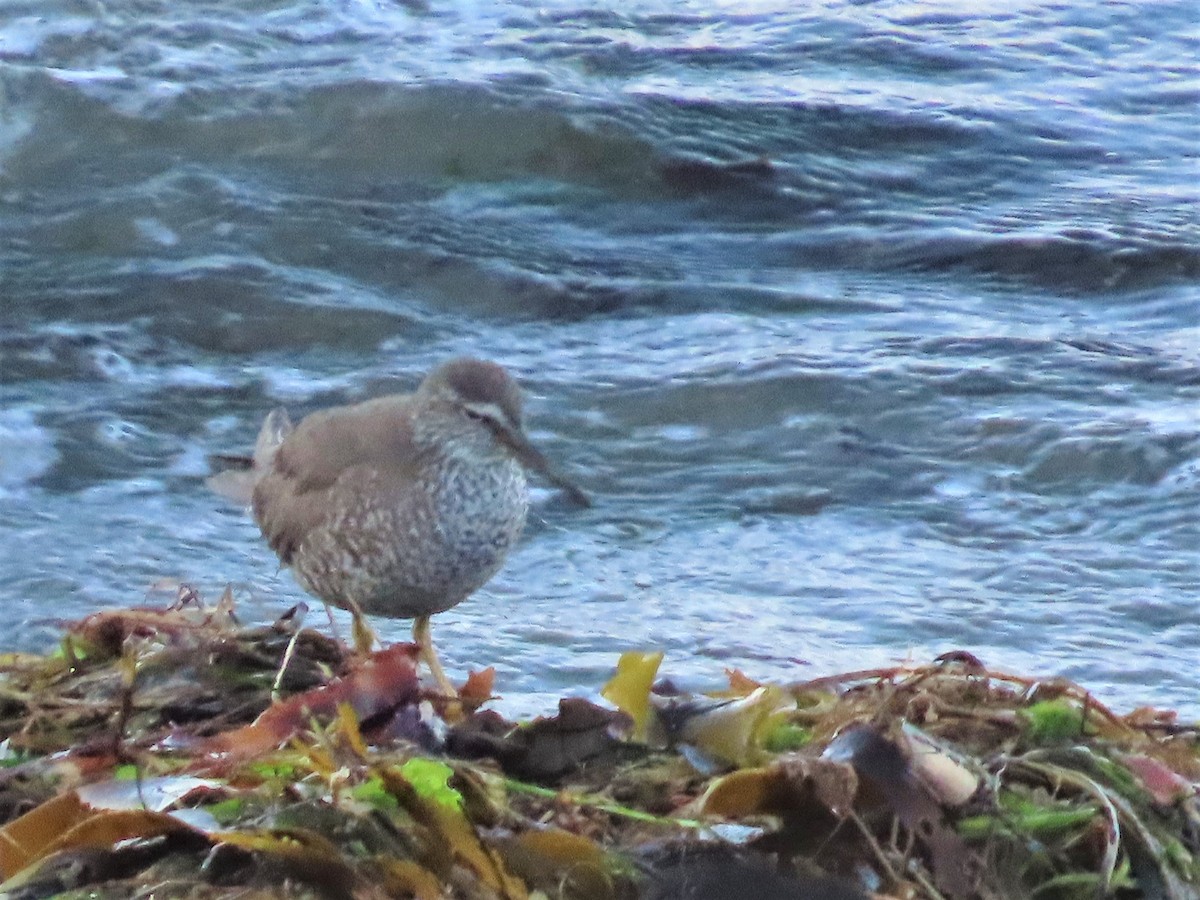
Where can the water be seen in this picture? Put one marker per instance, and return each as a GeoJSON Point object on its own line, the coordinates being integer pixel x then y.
{"type": "Point", "coordinates": [873, 328]}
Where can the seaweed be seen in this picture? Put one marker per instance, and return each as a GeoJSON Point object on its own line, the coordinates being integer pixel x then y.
{"type": "Point", "coordinates": [176, 753]}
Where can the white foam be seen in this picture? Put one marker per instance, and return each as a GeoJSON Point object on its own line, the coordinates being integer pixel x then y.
{"type": "Point", "coordinates": [193, 461]}
{"type": "Point", "coordinates": [289, 384]}
{"type": "Point", "coordinates": [26, 449]}
{"type": "Point", "coordinates": [156, 231]}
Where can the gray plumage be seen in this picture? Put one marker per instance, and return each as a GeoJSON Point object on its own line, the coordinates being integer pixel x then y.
{"type": "Point", "coordinates": [400, 506]}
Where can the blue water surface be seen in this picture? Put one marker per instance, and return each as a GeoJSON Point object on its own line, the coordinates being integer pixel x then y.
{"type": "Point", "coordinates": [873, 328]}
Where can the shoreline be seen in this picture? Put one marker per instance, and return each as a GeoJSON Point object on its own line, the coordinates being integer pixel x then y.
{"type": "Point", "coordinates": [173, 749]}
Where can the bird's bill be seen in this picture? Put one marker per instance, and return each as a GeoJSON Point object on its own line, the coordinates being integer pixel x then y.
{"type": "Point", "coordinates": [532, 459]}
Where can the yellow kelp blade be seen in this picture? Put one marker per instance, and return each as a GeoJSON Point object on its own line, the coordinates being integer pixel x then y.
{"type": "Point", "coordinates": [629, 688]}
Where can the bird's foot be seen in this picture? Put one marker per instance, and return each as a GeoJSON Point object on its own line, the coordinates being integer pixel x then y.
{"type": "Point", "coordinates": [363, 634]}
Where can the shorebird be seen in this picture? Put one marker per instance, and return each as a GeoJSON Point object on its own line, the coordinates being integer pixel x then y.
{"type": "Point", "coordinates": [401, 506]}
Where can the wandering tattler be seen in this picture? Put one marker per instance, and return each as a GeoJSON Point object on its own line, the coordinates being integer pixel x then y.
{"type": "Point", "coordinates": [401, 506]}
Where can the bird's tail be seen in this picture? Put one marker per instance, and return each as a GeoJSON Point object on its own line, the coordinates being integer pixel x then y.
{"type": "Point", "coordinates": [240, 474]}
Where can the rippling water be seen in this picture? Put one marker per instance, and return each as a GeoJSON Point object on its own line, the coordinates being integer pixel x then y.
{"type": "Point", "coordinates": [874, 328]}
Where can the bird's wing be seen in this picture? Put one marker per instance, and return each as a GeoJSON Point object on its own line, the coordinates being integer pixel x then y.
{"type": "Point", "coordinates": [239, 475]}
{"type": "Point", "coordinates": [235, 484]}
{"type": "Point", "coordinates": [376, 434]}
{"type": "Point", "coordinates": [288, 517]}
{"type": "Point", "coordinates": [321, 464]}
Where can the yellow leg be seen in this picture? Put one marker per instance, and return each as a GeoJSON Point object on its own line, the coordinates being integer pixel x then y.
{"type": "Point", "coordinates": [423, 640]}
{"type": "Point", "coordinates": [364, 635]}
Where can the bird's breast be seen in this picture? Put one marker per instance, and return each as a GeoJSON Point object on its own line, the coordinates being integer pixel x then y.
{"type": "Point", "coordinates": [479, 513]}
{"type": "Point", "coordinates": [419, 547]}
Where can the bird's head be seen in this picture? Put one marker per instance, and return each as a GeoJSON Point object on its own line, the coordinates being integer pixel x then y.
{"type": "Point", "coordinates": [485, 393]}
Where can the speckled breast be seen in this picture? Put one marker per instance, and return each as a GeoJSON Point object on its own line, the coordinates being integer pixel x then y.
{"type": "Point", "coordinates": [479, 513]}
{"type": "Point", "coordinates": [423, 548]}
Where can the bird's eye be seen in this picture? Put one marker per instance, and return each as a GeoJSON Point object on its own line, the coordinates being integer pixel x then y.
{"type": "Point", "coordinates": [473, 414]}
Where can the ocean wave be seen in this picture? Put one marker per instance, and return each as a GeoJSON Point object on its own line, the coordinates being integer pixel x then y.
{"type": "Point", "coordinates": [1061, 262]}
{"type": "Point", "coordinates": [27, 449]}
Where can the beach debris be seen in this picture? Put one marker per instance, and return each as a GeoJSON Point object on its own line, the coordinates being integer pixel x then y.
{"type": "Point", "coordinates": [175, 746]}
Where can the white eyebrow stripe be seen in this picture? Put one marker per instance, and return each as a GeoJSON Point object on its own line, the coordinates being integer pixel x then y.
{"type": "Point", "coordinates": [489, 411]}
